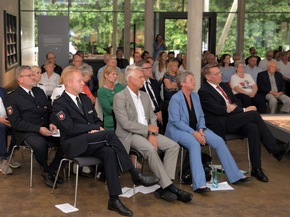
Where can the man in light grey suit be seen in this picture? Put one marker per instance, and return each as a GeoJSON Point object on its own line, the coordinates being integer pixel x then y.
{"type": "Point", "coordinates": [136, 127]}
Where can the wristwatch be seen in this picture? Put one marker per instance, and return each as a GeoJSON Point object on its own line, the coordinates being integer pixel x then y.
{"type": "Point", "coordinates": [152, 133]}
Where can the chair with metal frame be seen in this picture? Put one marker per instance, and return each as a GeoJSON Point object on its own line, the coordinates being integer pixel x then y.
{"type": "Point", "coordinates": [80, 162]}
{"type": "Point", "coordinates": [24, 146]}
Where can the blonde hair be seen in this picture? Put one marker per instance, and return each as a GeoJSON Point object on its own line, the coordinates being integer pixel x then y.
{"type": "Point", "coordinates": [108, 70]}
{"type": "Point", "coordinates": [67, 74]}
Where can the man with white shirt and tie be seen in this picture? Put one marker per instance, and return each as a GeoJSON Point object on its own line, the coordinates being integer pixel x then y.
{"type": "Point", "coordinates": [153, 89]}
{"type": "Point", "coordinates": [29, 113]}
{"type": "Point", "coordinates": [225, 115]}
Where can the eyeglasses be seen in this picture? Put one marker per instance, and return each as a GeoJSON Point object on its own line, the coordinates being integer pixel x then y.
{"type": "Point", "coordinates": [28, 75]}
{"type": "Point", "coordinates": [147, 68]}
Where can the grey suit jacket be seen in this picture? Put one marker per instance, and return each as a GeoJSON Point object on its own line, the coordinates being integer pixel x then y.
{"type": "Point", "coordinates": [127, 118]}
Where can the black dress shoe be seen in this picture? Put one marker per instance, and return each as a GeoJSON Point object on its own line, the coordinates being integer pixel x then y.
{"type": "Point", "coordinates": [243, 180]}
{"type": "Point", "coordinates": [60, 180]}
{"type": "Point", "coordinates": [282, 151]}
{"type": "Point", "coordinates": [183, 195]}
{"type": "Point", "coordinates": [258, 173]}
{"type": "Point", "coordinates": [202, 190]}
{"type": "Point", "coordinates": [48, 179]}
{"type": "Point", "coordinates": [145, 180]}
{"type": "Point", "coordinates": [165, 195]}
{"type": "Point", "coordinates": [119, 207]}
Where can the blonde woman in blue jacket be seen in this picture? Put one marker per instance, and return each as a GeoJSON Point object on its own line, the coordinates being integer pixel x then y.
{"type": "Point", "coordinates": [186, 126]}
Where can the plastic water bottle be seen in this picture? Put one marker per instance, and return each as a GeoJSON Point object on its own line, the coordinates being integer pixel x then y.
{"type": "Point", "coordinates": [215, 179]}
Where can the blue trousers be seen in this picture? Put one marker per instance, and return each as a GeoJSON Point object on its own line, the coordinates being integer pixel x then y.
{"type": "Point", "coordinates": [188, 141]}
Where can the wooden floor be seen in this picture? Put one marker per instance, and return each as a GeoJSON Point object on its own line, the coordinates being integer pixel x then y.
{"type": "Point", "coordinates": [259, 199]}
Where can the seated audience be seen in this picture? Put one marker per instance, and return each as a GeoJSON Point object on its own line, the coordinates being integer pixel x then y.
{"type": "Point", "coordinates": [246, 89]}
{"type": "Point", "coordinates": [179, 58]}
{"type": "Point", "coordinates": [252, 68]}
{"type": "Point", "coordinates": [186, 126]}
{"type": "Point", "coordinates": [253, 54]}
{"type": "Point", "coordinates": [161, 67]}
{"type": "Point", "coordinates": [37, 72]}
{"type": "Point", "coordinates": [225, 115]}
{"type": "Point", "coordinates": [136, 58]}
{"type": "Point", "coordinates": [137, 128]}
{"type": "Point", "coordinates": [120, 79]}
{"type": "Point", "coordinates": [284, 67]}
{"type": "Point", "coordinates": [169, 88]}
{"type": "Point", "coordinates": [145, 54]}
{"type": "Point", "coordinates": [271, 87]}
{"type": "Point", "coordinates": [236, 57]}
{"type": "Point", "coordinates": [106, 58]}
{"type": "Point", "coordinates": [122, 63]}
{"type": "Point", "coordinates": [29, 113]}
{"type": "Point", "coordinates": [264, 62]}
{"type": "Point", "coordinates": [153, 89]}
{"type": "Point", "coordinates": [225, 68]}
{"type": "Point", "coordinates": [49, 78]}
{"type": "Point", "coordinates": [87, 72]}
{"type": "Point", "coordinates": [170, 56]}
{"type": "Point", "coordinates": [51, 58]}
{"type": "Point", "coordinates": [182, 67]}
{"type": "Point", "coordinates": [83, 135]}
{"type": "Point", "coordinates": [5, 128]}
{"type": "Point", "coordinates": [106, 95]}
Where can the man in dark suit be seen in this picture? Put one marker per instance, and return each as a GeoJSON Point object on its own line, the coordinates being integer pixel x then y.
{"type": "Point", "coordinates": [153, 89]}
{"type": "Point", "coordinates": [122, 63]}
{"type": "Point", "coordinates": [224, 114]}
{"type": "Point", "coordinates": [29, 111]}
{"type": "Point", "coordinates": [82, 135]}
{"type": "Point", "coordinates": [271, 86]}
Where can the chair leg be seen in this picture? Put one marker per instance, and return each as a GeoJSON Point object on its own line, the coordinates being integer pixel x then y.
{"type": "Point", "coordinates": [76, 187]}
{"type": "Point", "coordinates": [249, 159]}
{"type": "Point", "coordinates": [31, 167]}
{"type": "Point", "coordinates": [55, 179]}
{"type": "Point", "coordinates": [10, 158]}
{"type": "Point", "coordinates": [181, 165]}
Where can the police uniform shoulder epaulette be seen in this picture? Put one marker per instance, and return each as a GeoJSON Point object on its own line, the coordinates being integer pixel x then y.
{"type": "Point", "coordinates": [10, 92]}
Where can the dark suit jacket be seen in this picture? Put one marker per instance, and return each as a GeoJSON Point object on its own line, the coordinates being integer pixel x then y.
{"type": "Point", "coordinates": [156, 86]}
{"type": "Point", "coordinates": [264, 85]}
{"type": "Point", "coordinates": [27, 114]}
{"type": "Point", "coordinates": [74, 126]}
{"type": "Point", "coordinates": [122, 63]}
{"type": "Point", "coordinates": [214, 107]}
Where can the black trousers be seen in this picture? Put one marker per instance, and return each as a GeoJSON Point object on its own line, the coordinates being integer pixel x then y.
{"type": "Point", "coordinates": [257, 100]}
{"type": "Point", "coordinates": [40, 145]}
{"type": "Point", "coordinates": [113, 155]}
{"type": "Point", "coordinates": [251, 125]}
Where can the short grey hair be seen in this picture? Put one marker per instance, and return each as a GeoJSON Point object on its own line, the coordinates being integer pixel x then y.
{"type": "Point", "coordinates": [238, 62]}
{"type": "Point", "coordinates": [86, 69]}
{"type": "Point", "coordinates": [181, 77]}
{"type": "Point", "coordinates": [20, 69]}
{"type": "Point", "coordinates": [129, 71]}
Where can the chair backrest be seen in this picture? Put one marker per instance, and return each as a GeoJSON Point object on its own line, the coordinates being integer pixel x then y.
{"type": "Point", "coordinates": [99, 109]}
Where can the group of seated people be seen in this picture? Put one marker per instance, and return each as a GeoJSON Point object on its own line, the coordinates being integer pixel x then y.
{"type": "Point", "coordinates": [258, 82]}
{"type": "Point", "coordinates": [137, 116]}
